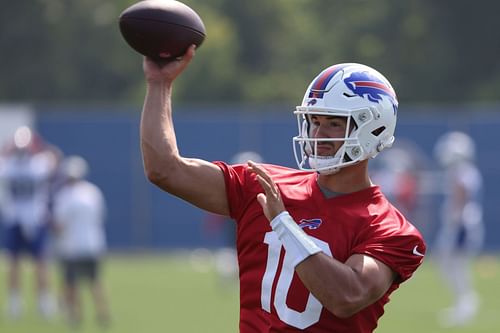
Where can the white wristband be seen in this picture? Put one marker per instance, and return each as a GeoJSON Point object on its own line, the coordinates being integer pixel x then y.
{"type": "Point", "coordinates": [296, 242]}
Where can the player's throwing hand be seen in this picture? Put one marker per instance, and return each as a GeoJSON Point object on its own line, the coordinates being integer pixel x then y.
{"type": "Point", "coordinates": [167, 71]}
{"type": "Point", "coordinates": [271, 201]}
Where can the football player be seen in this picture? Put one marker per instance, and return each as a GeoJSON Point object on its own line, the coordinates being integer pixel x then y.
{"type": "Point", "coordinates": [27, 170]}
{"type": "Point", "coordinates": [79, 215]}
{"type": "Point", "coordinates": [320, 248]}
{"type": "Point", "coordinates": [461, 232]}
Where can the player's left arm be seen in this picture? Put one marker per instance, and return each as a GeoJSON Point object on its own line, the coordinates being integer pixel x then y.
{"type": "Point", "coordinates": [343, 288]}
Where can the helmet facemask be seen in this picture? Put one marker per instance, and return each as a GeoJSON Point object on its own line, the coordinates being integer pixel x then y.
{"type": "Point", "coordinates": [310, 144]}
{"type": "Point", "coordinates": [370, 121]}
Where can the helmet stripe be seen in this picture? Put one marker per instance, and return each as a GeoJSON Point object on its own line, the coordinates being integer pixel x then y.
{"type": "Point", "coordinates": [321, 82]}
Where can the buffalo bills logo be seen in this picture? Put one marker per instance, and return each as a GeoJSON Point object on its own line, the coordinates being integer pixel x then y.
{"type": "Point", "coordinates": [367, 86]}
{"type": "Point", "coordinates": [311, 224]}
{"type": "Point", "coordinates": [312, 102]}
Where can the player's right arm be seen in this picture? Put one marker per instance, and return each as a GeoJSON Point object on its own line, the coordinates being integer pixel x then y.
{"type": "Point", "coordinates": [196, 181]}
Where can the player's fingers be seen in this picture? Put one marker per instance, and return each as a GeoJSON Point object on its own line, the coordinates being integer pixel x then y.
{"type": "Point", "coordinates": [266, 186]}
{"type": "Point", "coordinates": [188, 56]}
{"type": "Point", "coordinates": [259, 170]}
{"type": "Point", "coordinates": [262, 199]}
{"type": "Point", "coordinates": [264, 175]}
{"type": "Point", "coordinates": [172, 68]}
{"type": "Point", "coordinates": [269, 187]}
{"type": "Point", "coordinates": [191, 51]}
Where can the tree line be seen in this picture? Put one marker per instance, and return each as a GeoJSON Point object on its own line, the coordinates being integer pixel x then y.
{"type": "Point", "coordinates": [256, 52]}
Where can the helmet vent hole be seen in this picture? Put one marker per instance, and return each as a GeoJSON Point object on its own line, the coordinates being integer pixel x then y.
{"type": "Point", "coordinates": [378, 131]}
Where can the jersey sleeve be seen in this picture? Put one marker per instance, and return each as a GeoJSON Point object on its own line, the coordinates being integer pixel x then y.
{"type": "Point", "coordinates": [401, 248]}
{"type": "Point", "coordinates": [59, 209]}
{"type": "Point", "coordinates": [240, 187]}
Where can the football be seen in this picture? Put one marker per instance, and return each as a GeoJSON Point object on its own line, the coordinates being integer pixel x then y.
{"type": "Point", "coordinates": [161, 29]}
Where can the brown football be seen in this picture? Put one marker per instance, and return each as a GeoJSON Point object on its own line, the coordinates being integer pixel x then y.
{"type": "Point", "coordinates": [161, 29]}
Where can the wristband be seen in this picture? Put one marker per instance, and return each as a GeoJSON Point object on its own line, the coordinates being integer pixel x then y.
{"type": "Point", "coordinates": [295, 241]}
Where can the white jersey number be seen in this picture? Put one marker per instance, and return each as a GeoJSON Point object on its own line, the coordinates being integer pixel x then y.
{"type": "Point", "coordinates": [312, 312]}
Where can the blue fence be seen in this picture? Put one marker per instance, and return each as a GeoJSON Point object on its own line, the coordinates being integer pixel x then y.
{"type": "Point", "coordinates": [141, 216]}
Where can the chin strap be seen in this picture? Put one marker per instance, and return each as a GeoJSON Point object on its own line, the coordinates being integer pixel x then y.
{"type": "Point", "coordinates": [295, 241]}
{"type": "Point", "coordinates": [328, 164]}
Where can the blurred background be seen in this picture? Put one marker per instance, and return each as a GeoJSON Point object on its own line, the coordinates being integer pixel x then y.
{"type": "Point", "coordinates": [67, 72]}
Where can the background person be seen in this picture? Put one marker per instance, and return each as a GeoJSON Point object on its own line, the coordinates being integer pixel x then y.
{"type": "Point", "coordinates": [27, 173]}
{"type": "Point", "coordinates": [397, 174]}
{"type": "Point", "coordinates": [461, 233]}
{"type": "Point", "coordinates": [79, 215]}
{"type": "Point", "coordinates": [346, 247]}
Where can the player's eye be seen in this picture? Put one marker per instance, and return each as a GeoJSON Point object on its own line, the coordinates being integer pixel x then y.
{"type": "Point", "coordinates": [337, 123]}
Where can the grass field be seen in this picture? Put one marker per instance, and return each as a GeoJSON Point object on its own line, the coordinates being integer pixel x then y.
{"type": "Point", "coordinates": [167, 293]}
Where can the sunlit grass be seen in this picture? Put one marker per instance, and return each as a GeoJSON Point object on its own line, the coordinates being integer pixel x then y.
{"type": "Point", "coordinates": [182, 293]}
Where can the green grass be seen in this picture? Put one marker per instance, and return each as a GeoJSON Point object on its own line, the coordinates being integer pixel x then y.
{"type": "Point", "coordinates": [170, 293]}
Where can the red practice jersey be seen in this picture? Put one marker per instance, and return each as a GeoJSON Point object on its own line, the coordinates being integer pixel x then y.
{"type": "Point", "coordinates": [272, 297]}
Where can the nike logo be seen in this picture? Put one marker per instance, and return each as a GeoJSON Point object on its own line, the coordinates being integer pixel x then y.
{"type": "Point", "coordinates": [416, 252]}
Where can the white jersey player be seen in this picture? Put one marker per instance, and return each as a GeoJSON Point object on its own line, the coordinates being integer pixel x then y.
{"type": "Point", "coordinates": [79, 214]}
{"type": "Point", "coordinates": [461, 231]}
{"type": "Point", "coordinates": [27, 179]}
{"type": "Point", "coordinates": [27, 170]}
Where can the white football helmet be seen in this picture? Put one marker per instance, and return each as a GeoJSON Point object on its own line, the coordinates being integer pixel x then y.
{"type": "Point", "coordinates": [454, 147]}
{"type": "Point", "coordinates": [75, 167]}
{"type": "Point", "coordinates": [368, 102]}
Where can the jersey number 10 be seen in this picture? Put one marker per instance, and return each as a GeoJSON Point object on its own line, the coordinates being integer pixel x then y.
{"type": "Point", "coordinates": [312, 311]}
